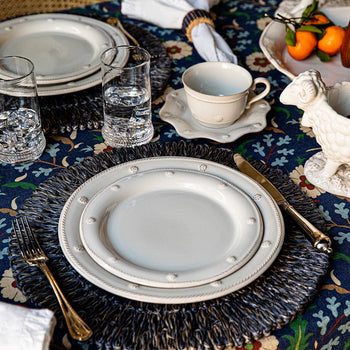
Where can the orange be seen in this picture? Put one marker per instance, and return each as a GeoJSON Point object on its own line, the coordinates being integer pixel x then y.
{"type": "Point", "coordinates": [305, 42]}
{"type": "Point", "coordinates": [332, 40]}
{"type": "Point", "coordinates": [318, 19]}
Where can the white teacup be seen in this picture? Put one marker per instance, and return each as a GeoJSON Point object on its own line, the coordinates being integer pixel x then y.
{"type": "Point", "coordinates": [218, 92]}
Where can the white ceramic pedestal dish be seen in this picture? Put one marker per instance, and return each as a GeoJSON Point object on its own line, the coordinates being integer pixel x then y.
{"type": "Point", "coordinates": [72, 246]}
{"type": "Point", "coordinates": [272, 43]}
{"type": "Point", "coordinates": [176, 112]}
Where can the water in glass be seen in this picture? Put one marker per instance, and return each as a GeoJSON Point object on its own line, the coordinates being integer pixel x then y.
{"type": "Point", "coordinates": [128, 118]}
{"type": "Point", "coordinates": [21, 137]}
{"type": "Point", "coordinates": [126, 96]}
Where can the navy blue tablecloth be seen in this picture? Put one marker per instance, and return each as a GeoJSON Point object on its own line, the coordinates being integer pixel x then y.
{"type": "Point", "coordinates": [283, 144]}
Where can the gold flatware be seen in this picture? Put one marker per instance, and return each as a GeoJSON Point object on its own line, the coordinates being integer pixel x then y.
{"type": "Point", "coordinates": [319, 240]}
{"type": "Point", "coordinates": [114, 21]}
{"type": "Point", "coordinates": [34, 255]}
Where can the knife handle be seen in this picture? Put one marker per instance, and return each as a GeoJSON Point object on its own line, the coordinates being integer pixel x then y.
{"type": "Point", "coordinates": [319, 240]}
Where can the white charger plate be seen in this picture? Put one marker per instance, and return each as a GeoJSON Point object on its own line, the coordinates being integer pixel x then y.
{"type": "Point", "coordinates": [206, 228]}
{"type": "Point", "coordinates": [176, 112]}
{"type": "Point", "coordinates": [73, 249]}
{"type": "Point", "coordinates": [62, 47]}
{"type": "Point", "coordinates": [272, 43]}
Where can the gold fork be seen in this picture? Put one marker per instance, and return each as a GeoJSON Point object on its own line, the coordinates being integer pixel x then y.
{"type": "Point", "coordinates": [114, 21]}
{"type": "Point", "coordinates": [34, 255]}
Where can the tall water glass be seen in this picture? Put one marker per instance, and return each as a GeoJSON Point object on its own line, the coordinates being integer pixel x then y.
{"type": "Point", "coordinates": [21, 137]}
{"type": "Point", "coordinates": [126, 92]}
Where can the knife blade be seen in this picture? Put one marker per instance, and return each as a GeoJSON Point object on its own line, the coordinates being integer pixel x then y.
{"type": "Point", "coordinates": [319, 240]}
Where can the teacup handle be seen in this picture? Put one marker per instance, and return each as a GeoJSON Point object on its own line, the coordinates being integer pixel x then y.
{"type": "Point", "coordinates": [259, 80]}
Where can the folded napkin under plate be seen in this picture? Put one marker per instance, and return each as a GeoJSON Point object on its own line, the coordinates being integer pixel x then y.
{"type": "Point", "coordinates": [170, 14]}
{"type": "Point", "coordinates": [24, 328]}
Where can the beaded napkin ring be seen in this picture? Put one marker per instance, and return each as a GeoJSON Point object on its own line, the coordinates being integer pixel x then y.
{"type": "Point", "coordinates": [193, 18]}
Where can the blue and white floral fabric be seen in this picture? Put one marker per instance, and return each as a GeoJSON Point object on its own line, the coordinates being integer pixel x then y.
{"type": "Point", "coordinates": [283, 144]}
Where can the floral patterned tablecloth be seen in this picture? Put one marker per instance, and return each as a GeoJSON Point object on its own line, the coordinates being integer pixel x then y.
{"type": "Point", "coordinates": [282, 144]}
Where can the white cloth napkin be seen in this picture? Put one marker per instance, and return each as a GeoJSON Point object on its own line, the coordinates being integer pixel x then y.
{"type": "Point", "coordinates": [170, 13]}
{"type": "Point", "coordinates": [24, 328]}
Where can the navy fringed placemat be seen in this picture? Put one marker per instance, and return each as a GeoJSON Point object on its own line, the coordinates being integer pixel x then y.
{"type": "Point", "coordinates": [83, 110]}
{"type": "Point", "coordinates": [270, 302]}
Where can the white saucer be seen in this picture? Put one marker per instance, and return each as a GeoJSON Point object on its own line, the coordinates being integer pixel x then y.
{"type": "Point", "coordinates": [176, 112]}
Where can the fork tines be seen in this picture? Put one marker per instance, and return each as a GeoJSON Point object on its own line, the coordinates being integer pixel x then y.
{"type": "Point", "coordinates": [28, 244]}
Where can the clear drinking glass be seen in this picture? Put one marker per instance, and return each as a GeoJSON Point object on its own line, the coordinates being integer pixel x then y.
{"type": "Point", "coordinates": [21, 137]}
{"type": "Point", "coordinates": [126, 92]}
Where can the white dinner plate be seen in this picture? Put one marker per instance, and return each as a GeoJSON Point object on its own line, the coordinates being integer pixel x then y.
{"type": "Point", "coordinates": [272, 43]}
{"type": "Point", "coordinates": [176, 112]}
{"type": "Point", "coordinates": [90, 80]}
{"type": "Point", "coordinates": [171, 228]}
{"type": "Point", "coordinates": [72, 247]}
{"type": "Point", "coordinates": [62, 47]}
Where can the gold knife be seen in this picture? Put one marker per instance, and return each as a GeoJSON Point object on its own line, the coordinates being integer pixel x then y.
{"type": "Point", "coordinates": [319, 240]}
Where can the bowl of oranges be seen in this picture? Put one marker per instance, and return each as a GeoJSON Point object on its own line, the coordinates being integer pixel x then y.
{"type": "Point", "coordinates": [314, 40]}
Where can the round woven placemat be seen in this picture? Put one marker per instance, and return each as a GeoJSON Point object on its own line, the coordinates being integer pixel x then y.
{"type": "Point", "coordinates": [268, 303]}
{"type": "Point", "coordinates": [83, 110]}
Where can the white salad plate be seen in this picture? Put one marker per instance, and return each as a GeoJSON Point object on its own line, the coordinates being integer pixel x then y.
{"type": "Point", "coordinates": [171, 228]}
{"type": "Point", "coordinates": [176, 112]}
{"type": "Point", "coordinates": [79, 258]}
{"type": "Point", "coordinates": [62, 47]}
{"type": "Point", "coordinates": [80, 22]}
{"type": "Point", "coordinates": [272, 43]}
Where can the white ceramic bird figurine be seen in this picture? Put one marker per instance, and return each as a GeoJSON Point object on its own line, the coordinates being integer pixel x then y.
{"type": "Point", "coordinates": [332, 130]}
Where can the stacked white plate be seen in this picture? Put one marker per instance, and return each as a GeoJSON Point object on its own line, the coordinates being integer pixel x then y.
{"type": "Point", "coordinates": [171, 230]}
{"type": "Point", "coordinates": [64, 48]}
